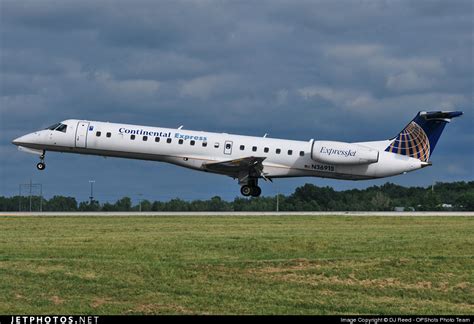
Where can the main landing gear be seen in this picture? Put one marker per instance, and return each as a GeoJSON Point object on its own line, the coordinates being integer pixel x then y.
{"type": "Point", "coordinates": [41, 165]}
{"type": "Point", "coordinates": [251, 189]}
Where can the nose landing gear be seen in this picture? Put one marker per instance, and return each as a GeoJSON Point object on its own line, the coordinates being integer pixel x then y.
{"type": "Point", "coordinates": [41, 165]}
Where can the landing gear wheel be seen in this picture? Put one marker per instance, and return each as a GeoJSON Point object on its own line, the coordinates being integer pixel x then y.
{"type": "Point", "coordinates": [256, 191]}
{"type": "Point", "coordinates": [246, 190]}
{"type": "Point", "coordinates": [41, 166]}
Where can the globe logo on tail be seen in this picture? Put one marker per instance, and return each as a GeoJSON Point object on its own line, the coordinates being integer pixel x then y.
{"type": "Point", "coordinates": [413, 142]}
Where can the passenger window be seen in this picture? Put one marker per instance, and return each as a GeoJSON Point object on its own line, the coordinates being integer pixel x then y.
{"type": "Point", "coordinates": [228, 146]}
{"type": "Point", "coordinates": [254, 148]}
{"type": "Point", "coordinates": [242, 147]}
{"type": "Point", "coordinates": [278, 151]}
{"type": "Point", "coordinates": [192, 143]}
{"type": "Point", "coordinates": [204, 144]}
{"type": "Point", "coordinates": [216, 145]}
{"type": "Point", "coordinates": [290, 152]}
{"type": "Point", "coordinates": [145, 138]}
{"type": "Point", "coordinates": [180, 141]}
{"type": "Point", "coordinates": [108, 134]}
{"type": "Point", "coordinates": [98, 134]}
{"type": "Point", "coordinates": [157, 139]}
{"type": "Point", "coordinates": [266, 150]}
{"type": "Point", "coordinates": [301, 153]}
{"type": "Point", "coordinates": [132, 137]}
{"type": "Point", "coordinates": [168, 140]}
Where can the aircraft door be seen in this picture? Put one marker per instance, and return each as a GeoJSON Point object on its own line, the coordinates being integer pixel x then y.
{"type": "Point", "coordinates": [81, 134]}
{"type": "Point", "coordinates": [228, 147]}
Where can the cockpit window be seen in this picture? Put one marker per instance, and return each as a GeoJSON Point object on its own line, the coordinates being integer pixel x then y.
{"type": "Point", "coordinates": [62, 128]}
{"type": "Point", "coordinates": [53, 127]}
{"type": "Point", "coordinates": [59, 127]}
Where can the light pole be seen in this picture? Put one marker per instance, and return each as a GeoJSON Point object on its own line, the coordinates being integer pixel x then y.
{"type": "Point", "coordinates": [140, 201]}
{"type": "Point", "coordinates": [278, 202]}
{"type": "Point", "coordinates": [33, 190]}
{"type": "Point", "coordinates": [92, 191]}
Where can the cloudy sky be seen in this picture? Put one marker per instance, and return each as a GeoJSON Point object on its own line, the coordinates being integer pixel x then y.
{"type": "Point", "coordinates": [338, 70]}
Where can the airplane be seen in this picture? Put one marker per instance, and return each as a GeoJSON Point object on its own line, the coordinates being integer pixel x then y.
{"type": "Point", "coordinates": [246, 158]}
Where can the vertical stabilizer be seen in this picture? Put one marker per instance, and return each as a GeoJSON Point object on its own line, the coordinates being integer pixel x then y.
{"type": "Point", "coordinates": [418, 139]}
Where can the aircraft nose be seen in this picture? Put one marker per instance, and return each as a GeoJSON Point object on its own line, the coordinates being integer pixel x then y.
{"type": "Point", "coordinates": [25, 139]}
{"type": "Point", "coordinates": [17, 141]}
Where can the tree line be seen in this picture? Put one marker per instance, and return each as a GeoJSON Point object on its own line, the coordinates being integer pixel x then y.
{"type": "Point", "coordinates": [457, 196]}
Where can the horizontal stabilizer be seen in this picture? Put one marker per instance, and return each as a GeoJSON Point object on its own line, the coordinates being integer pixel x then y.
{"type": "Point", "coordinates": [440, 115]}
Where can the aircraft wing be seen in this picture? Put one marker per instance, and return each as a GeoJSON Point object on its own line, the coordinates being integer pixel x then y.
{"type": "Point", "coordinates": [251, 165]}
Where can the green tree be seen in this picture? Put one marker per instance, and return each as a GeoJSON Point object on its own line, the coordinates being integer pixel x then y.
{"type": "Point", "coordinates": [217, 204]}
{"type": "Point", "coordinates": [124, 204]}
{"type": "Point", "coordinates": [466, 201]}
{"type": "Point", "coordinates": [87, 206]}
{"type": "Point", "coordinates": [176, 205]}
{"type": "Point", "coordinates": [157, 206]}
{"type": "Point", "coordinates": [61, 203]}
{"type": "Point", "coordinates": [108, 207]}
{"type": "Point", "coordinates": [380, 201]}
{"type": "Point", "coordinates": [146, 205]}
{"type": "Point", "coordinates": [10, 203]}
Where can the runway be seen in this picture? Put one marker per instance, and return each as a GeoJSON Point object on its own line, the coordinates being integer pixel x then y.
{"type": "Point", "coordinates": [230, 214]}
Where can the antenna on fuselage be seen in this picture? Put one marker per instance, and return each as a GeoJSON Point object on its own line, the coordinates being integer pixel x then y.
{"type": "Point", "coordinates": [180, 127]}
{"type": "Point", "coordinates": [266, 134]}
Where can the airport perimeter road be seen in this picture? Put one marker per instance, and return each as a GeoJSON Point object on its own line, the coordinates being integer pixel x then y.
{"type": "Point", "coordinates": [158, 214]}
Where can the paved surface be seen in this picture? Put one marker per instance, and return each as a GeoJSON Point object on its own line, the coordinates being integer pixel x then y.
{"type": "Point", "coordinates": [123, 214]}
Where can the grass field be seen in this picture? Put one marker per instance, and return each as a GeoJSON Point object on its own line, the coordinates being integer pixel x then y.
{"type": "Point", "coordinates": [237, 265]}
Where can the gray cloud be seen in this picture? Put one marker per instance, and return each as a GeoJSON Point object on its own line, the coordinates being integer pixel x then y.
{"type": "Point", "coordinates": [345, 70]}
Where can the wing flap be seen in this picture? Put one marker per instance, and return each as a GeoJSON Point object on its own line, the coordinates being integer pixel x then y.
{"type": "Point", "coordinates": [235, 166]}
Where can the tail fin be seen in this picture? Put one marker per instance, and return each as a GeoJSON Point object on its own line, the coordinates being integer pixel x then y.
{"type": "Point", "coordinates": [418, 139]}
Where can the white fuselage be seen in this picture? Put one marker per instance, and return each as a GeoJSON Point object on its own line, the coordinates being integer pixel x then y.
{"type": "Point", "coordinates": [194, 149]}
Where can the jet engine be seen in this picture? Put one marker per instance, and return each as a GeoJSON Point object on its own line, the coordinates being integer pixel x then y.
{"type": "Point", "coordinates": [331, 152]}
